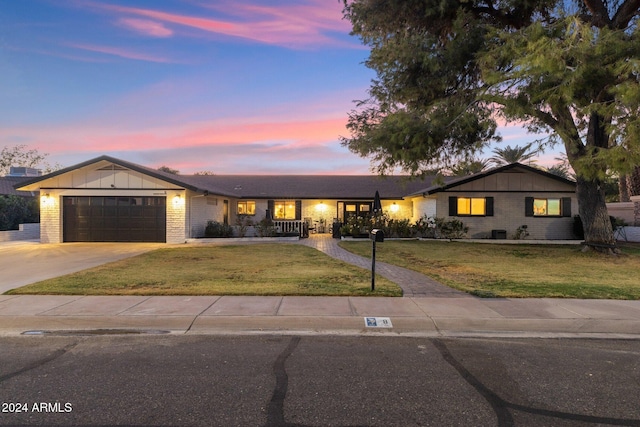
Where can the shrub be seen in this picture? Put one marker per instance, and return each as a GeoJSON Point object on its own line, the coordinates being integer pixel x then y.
{"type": "Point", "coordinates": [521, 233]}
{"type": "Point", "coordinates": [265, 228]}
{"type": "Point", "coordinates": [451, 229]}
{"type": "Point", "coordinates": [399, 228]}
{"type": "Point", "coordinates": [218, 229]}
{"type": "Point", "coordinates": [356, 225]}
{"type": "Point", "coordinates": [243, 222]}
{"type": "Point", "coordinates": [16, 210]}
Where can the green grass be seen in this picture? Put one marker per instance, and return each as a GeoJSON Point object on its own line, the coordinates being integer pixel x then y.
{"type": "Point", "coordinates": [494, 270]}
{"type": "Point", "coordinates": [260, 269]}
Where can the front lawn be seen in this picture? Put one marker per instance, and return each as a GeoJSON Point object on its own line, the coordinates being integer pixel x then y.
{"type": "Point", "coordinates": [516, 270]}
{"type": "Point", "coordinates": [260, 269]}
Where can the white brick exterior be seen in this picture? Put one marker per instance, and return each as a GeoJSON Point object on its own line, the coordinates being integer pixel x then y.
{"type": "Point", "coordinates": [50, 217]}
{"type": "Point", "coordinates": [176, 217]}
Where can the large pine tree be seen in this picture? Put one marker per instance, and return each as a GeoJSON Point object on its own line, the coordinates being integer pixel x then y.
{"type": "Point", "coordinates": [448, 71]}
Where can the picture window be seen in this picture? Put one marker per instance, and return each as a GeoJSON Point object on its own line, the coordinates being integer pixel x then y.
{"type": "Point", "coordinates": [471, 206]}
{"type": "Point", "coordinates": [247, 208]}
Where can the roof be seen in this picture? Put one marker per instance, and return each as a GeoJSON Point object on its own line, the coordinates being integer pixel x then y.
{"type": "Point", "coordinates": [270, 186]}
{"type": "Point", "coordinates": [8, 186]}
{"type": "Point", "coordinates": [297, 186]}
{"type": "Point", "coordinates": [311, 186]}
{"type": "Point", "coordinates": [455, 182]}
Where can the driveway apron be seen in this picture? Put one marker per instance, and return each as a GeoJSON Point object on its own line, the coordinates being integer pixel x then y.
{"type": "Point", "coordinates": [29, 262]}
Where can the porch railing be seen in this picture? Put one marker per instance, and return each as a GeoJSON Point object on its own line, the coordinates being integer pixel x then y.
{"type": "Point", "coordinates": [289, 227]}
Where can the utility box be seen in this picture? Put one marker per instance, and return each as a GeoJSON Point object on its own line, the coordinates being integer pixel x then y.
{"type": "Point", "coordinates": [499, 234]}
{"type": "Point", "coordinates": [377, 235]}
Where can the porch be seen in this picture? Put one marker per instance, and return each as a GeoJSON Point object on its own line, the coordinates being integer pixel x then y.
{"type": "Point", "coordinates": [301, 228]}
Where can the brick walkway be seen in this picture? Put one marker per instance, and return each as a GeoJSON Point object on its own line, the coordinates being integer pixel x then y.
{"type": "Point", "coordinates": [413, 284]}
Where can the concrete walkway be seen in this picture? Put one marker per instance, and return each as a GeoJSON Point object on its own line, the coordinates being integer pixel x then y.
{"type": "Point", "coordinates": [413, 284]}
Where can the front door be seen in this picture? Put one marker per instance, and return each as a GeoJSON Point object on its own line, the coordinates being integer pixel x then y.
{"type": "Point", "coordinates": [355, 209]}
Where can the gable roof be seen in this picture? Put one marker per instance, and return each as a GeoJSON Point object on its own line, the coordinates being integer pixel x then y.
{"type": "Point", "coordinates": [269, 186]}
{"type": "Point", "coordinates": [168, 177]}
{"type": "Point", "coordinates": [437, 188]}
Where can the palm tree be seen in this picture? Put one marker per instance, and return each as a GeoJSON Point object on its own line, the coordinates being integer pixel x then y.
{"type": "Point", "coordinates": [562, 168]}
{"type": "Point", "coordinates": [469, 167]}
{"type": "Point", "coordinates": [508, 155]}
{"type": "Point", "coordinates": [559, 170]}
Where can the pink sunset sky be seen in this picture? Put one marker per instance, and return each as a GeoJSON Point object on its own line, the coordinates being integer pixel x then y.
{"type": "Point", "coordinates": [244, 86]}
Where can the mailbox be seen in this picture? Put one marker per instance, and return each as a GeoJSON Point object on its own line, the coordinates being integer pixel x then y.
{"type": "Point", "coordinates": [377, 235]}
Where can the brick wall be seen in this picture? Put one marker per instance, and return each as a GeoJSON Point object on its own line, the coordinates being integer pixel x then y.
{"type": "Point", "coordinates": [509, 215]}
{"type": "Point", "coordinates": [176, 216]}
{"type": "Point", "coordinates": [50, 217]}
{"type": "Point", "coordinates": [25, 232]}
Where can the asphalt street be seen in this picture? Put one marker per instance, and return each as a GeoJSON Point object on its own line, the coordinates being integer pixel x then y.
{"type": "Point", "coordinates": [275, 380]}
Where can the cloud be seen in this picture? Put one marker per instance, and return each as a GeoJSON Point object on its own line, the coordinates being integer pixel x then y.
{"type": "Point", "coordinates": [146, 27]}
{"type": "Point", "coordinates": [242, 145]}
{"type": "Point", "coordinates": [295, 25]}
{"type": "Point", "coordinates": [116, 51]}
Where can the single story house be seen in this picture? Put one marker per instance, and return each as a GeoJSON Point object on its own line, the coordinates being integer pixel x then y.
{"type": "Point", "coordinates": [108, 199]}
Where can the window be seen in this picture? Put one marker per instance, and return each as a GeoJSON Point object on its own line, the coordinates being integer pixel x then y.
{"type": "Point", "coordinates": [247, 208]}
{"type": "Point", "coordinates": [548, 207]}
{"type": "Point", "coordinates": [470, 206]}
{"type": "Point", "coordinates": [284, 209]}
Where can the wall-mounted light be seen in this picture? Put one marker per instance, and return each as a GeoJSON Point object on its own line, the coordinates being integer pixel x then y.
{"type": "Point", "coordinates": [46, 199]}
{"type": "Point", "coordinates": [322, 207]}
{"type": "Point", "coordinates": [178, 200]}
{"type": "Point", "coordinates": [394, 207]}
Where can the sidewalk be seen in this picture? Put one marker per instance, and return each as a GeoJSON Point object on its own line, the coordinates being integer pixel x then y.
{"type": "Point", "coordinates": [427, 309]}
{"type": "Point", "coordinates": [424, 316]}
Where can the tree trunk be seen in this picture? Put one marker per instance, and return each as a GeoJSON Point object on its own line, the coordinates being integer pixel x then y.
{"type": "Point", "coordinates": [623, 189]}
{"type": "Point", "coordinates": [598, 232]}
{"type": "Point", "coordinates": [633, 182]}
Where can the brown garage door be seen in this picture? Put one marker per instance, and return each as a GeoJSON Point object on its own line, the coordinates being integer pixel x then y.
{"type": "Point", "coordinates": [114, 219]}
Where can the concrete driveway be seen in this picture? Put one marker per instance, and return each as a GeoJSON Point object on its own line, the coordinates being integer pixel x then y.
{"type": "Point", "coordinates": [22, 263]}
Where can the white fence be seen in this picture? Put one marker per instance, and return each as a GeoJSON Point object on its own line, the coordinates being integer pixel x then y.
{"type": "Point", "coordinates": [280, 227]}
{"type": "Point", "coordinates": [288, 227]}
{"type": "Point", "coordinates": [25, 232]}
